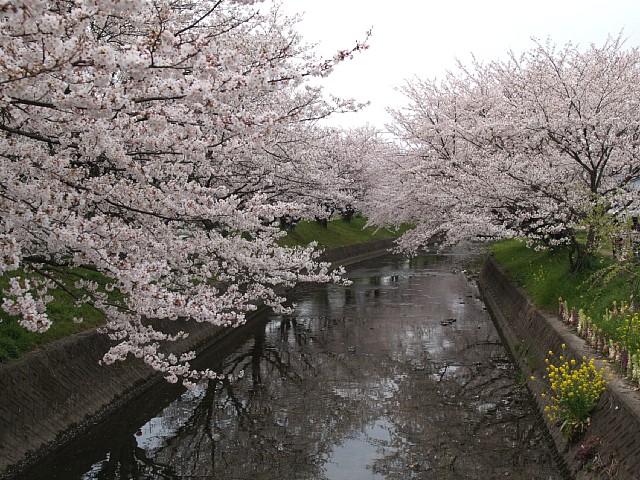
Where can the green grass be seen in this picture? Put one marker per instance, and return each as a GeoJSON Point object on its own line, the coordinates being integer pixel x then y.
{"type": "Point", "coordinates": [545, 276]}
{"type": "Point", "coordinates": [337, 233]}
{"type": "Point", "coordinates": [16, 340]}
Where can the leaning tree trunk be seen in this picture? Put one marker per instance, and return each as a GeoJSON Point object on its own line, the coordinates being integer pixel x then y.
{"type": "Point", "coordinates": [577, 255]}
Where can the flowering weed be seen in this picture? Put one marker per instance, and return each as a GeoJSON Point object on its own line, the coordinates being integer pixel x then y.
{"type": "Point", "coordinates": [575, 390]}
{"type": "Point", "coordinates": [616, 335]}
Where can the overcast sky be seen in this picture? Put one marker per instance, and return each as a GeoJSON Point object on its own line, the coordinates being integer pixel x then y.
{"type": "Point", "coordinates": [423, 38]}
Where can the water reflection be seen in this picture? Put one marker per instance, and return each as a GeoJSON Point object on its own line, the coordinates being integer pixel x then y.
{"type": "Point", "coordinates": [400, 375]}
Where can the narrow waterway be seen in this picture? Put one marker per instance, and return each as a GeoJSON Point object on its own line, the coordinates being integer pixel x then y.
{"type": "Point", "coordinates": [399, 376]}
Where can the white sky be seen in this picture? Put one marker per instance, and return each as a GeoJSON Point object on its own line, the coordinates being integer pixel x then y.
{"type": "Point", "coordinates": [423, 38]}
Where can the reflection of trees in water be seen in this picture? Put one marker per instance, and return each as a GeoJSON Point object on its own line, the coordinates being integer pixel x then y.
{"type": "Point", "coordinates": [312, 383]}
{"type": "Point", "coordinates": [281, 420]}
{"type": "Point", "coordinates": [125, 462]}
{"type": "Point", "coordinates": [470, 419]}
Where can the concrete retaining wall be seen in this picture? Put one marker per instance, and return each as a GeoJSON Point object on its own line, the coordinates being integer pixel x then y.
{"type": "Point", "coordinates": [530, 334]}
{"type": "Point", "coordinates": [49, 395]}
{"type": "Point", "coordinates": [350, 254]}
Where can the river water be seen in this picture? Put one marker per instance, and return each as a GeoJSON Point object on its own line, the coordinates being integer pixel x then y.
{"type": "Point", "coordinates": [400, 375]}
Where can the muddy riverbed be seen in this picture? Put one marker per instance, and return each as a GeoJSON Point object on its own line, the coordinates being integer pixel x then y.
{"type": "Point", "coordinates": [400, 375]}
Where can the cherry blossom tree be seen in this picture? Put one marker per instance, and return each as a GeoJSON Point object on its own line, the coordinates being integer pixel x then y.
{"type": "Point", "coordinates": [137, 142]}
{"type": "Point", "coordinates": [357, 151]}
{"type": "Point", "coordinates": [521, 147]}
{"type": "Point", "coordinates": [335, 165]}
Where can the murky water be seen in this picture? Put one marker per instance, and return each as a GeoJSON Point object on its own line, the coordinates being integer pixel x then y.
{"type": "Point", "coordinates": [398, 376]}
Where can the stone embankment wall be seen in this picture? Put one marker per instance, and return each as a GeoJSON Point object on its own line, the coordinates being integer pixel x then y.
{"type": "Point", "coordinates": [49, 395]}
{"type": "Point", "coordinates": [530, 334]}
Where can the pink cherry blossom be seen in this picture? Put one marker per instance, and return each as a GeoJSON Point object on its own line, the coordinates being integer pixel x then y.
{"type": "Point", "coordinates": [160, 142]}
{"type": "Point", "coordinates": [525, 147]}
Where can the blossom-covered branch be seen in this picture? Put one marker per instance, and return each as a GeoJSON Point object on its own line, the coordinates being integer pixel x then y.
{"type": "Point", "coordinates": [135, 142]}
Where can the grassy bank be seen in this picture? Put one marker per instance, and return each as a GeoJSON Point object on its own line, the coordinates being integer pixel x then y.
{"type": "Point", "coordinates": [337, 233]}
{"type": "Point", "coordinates": [545, 276]}
{"type": "Point", "coordinates": [65, 314]}
{"type": "Point", "coordinates": [600, 312]}
{"type": "Point", "coordinates": [15, 340]}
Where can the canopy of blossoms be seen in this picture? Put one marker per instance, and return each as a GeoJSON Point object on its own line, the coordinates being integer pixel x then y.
{"type": "Point", "coordinates": [157, 143]}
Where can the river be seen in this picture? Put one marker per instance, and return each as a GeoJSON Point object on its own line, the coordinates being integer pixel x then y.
{"type": "Point", "coordinates": [400, 375]}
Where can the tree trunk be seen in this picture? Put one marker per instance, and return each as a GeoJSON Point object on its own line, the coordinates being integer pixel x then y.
{"type": "Point", "coordinates": [347, 214]}
{"type": "Point", "coordinates": [324, 223]}
{"type": "Point", "coordinates": [577, 254]}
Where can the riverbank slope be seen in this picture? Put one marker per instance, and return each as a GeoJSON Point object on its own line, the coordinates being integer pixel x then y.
{"type": "Point", "coordinates": [614, 434]}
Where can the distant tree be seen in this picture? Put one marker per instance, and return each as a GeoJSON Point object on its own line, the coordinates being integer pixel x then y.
{"type": "Point", "coordinates": [135, 142]}
{"type": "Point", "coordinates": [357, 151]}
{"type": "Point", "coordinates": [522, 147]}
